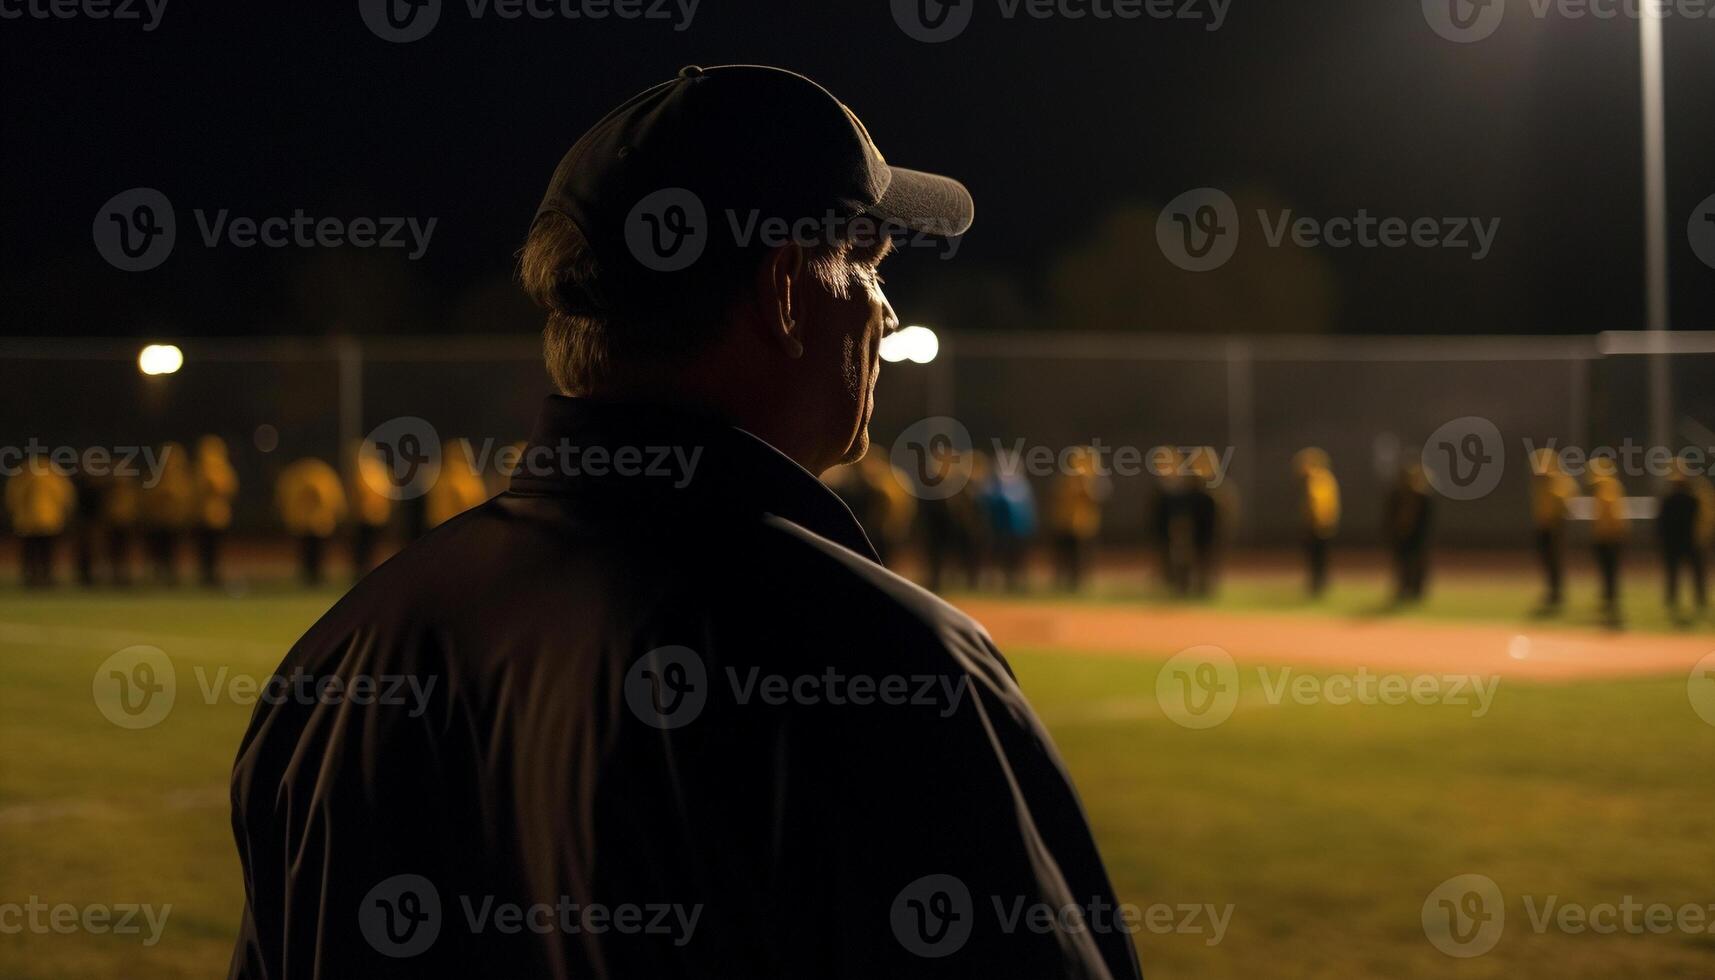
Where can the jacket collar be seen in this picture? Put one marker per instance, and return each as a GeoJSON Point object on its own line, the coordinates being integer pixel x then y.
{"type": "Point", "coordinates": [663, 454]}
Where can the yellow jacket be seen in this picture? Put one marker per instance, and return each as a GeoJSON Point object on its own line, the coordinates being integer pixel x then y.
{"type": "Point", "coordinates": [1321, 502]}
{"type": "Point", "coordinates": [458, 488]}
{"type": "Point", "coordinates": [310, 499]}
{"type": "Point", "coordinates": [39, 500]}
{"type": "Point", "coordinates": [1075, 505]}
{"type": "Point", "coordinates": [171, 503]}
{"type": "Point", "coordinates": [369, 504]}
{"type": "Point", "coordinates": [121, 504]}
{"type": "Point", "coordinates": [217, 485]}
{"type": "Point", "coordinates": [1549, 493]}
{"type": "Point", "coordinates": [1608, 520]}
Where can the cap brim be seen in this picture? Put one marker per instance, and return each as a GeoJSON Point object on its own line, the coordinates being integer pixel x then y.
{"type": "Point", "coordinates": [925, 202]}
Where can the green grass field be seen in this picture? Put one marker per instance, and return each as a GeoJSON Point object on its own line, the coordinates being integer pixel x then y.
{"type": "Point", "coordinates": [1324, 827]}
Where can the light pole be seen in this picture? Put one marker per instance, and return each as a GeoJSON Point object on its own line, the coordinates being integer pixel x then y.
{"type": "Point", "coordinates": [1655, 226]}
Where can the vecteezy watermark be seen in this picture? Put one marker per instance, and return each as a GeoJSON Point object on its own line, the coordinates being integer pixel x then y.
{"type": "Point", "coordinates": [669, 687]}
{"type": "Point", "coordinates": [97, 919]}
{"type": "Point", "coordinates": [934, 21]}
{"type": "Point", "coordinates": [404, 21]}
{"type": "Point", "coordinates": [403, 457]}
{"type": "Point", "coordinates": [403, 915]}
{"type": "Point", "coordinates": [1466, 915]}
{"type": "Point", "coordinates": [669, 229]}
{"type": "Point", "coordinates": [137, 229]}
{"type": "Point", "coordinates": [1199, 231]}
{"type": "Point", "coordinates": [1700, 688]}
{"type": "Point", "coordinates": [933, 917]}
{"type": "Point", "coordinates": [1199, 687]}
{"type": "Point", "coordinates": [1468, 21]}
{"type": "Point", "coordinates": [137, 687]}
{"type": "Point", "coordinates": [1463, 458]}
{"type": "Point", "coordinates": [1701, 231]}
{"type": "Point", "coordinates": [146, 12]}
{"type": "Point", "coordinates": [96, 461]}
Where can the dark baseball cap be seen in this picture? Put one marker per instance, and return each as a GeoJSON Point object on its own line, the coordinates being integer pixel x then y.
{"type": "Point", "coordinates": [716, 152]}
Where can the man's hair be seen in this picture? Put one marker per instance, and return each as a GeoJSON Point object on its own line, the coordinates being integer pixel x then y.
{"type": "Point", "coordinates": [587, 349]}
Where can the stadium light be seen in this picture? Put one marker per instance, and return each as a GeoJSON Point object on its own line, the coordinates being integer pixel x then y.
{"type": "Point", "coordinates": [160, 359]}
{"type": "Point", "coordinates": [918, 345]}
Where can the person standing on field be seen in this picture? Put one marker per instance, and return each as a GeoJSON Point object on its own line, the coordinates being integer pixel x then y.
{"type": "Point", "coordinates": [217, 485]}
{"type": "Point", "coordinates": [371, 504]}
{"type": "Point", "coordinates": [585, 742]}
{"type": "Point", "coordinates": [1407, 519]}
{"type": "Point", "coordinates": [169, 510]}
{"type": "Point", "coordinates": [1074, 514]}
{"type": "Point", "coordinates": [311, 503]}
{"type": "Point", "coordinates": [1550, 489]}
{"type": "Point", "coordinates": [1679, 520]}
{"type": "Point", "coordinates": [39, 501]}
{"type": "Point", "coordinates": [1319, 509]}
{"type": "Point", "coordinates": [1609, 526]}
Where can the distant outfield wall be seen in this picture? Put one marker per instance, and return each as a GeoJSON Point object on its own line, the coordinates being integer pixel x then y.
{"type": "Point", "coordinates": [1366, 400]}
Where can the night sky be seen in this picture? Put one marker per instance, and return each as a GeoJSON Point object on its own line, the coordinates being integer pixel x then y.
{"type": "Point", "coordinates": [1055, 124]}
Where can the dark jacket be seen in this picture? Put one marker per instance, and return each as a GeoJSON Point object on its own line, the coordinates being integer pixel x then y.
{"type": "Point", "coordinates": [603, 780]}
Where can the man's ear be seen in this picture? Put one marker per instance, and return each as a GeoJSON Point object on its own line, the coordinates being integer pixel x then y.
{"type": "Point", "coordinates": [780, 283]}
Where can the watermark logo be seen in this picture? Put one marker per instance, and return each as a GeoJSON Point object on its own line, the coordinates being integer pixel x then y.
{"type": "Point", "coordinates": [1198, 231]}
{"type": "Point", "coordinates": [400, 21]}
{"type": "Point", "coordinates": [1700, 688]}
{"type": "Point", "coordinates": [401, 916]}
{"type": "Point", "coordinates": [148, 12]}
{"type": "Point", "coordinates": [408, 450]}
{"type": "Point", "coordinates": [404, 21]}
{"type": "Point", "coordinates": [135, 230]}
{"type": "Point", "coordinates": [63, 919]}
{"type": "Point", "coordinates": [1464, 915]}
{"type": "Point", "coordinates": [667, 230]}
{"type": "Point", "coordinates": [1463, 459]}
{"type": "Point", "coordinates": [932, 917]}
{"type": "Point", "coordinates": [933, 457]}
{"type": "Point", "coordinates": [1464, 21]}
{"type": "Point", "coordinates": [1701, 231]}
{"type": "Point", "coordinates": [1198, 687]}
{"type": "Point", "coordinates": [933, 21]}
{"type": "Point", "coordinates": [667, 687]}
{"type": "Point", "coordinates": [135, 687]}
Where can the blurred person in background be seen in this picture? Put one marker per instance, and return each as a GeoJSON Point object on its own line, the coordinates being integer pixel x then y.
{"type": "Point", "coordinates": [1010, 506]}
{"type": "Point", "coordinates": [1319, 509]}
{"type": "Point", "coordinates": [39, 500]}
{"type": "Point", "coordinates": [1406, 518]}
{"type": "Point", "coordinates": [311, 503]}
{"type": "Point", "coordinates": [878, 499]}
{"type": "Point", "coordinates": [1074, 515]}
{"type": "Point", "coordinates": [458, 488]}
{"type": "Point", "coordinates": [371, 503]}
{"type": "Point", "coordinates": [951, 524]}
{"type": "Point", "coordinates": [1679, 522]}
{"type": "Point", "coordinates": [87, 530]}
{"type": "Point", "coordinates": [169, 510]}
{"type": "Point", "coordinates": [1169, 518]}
{"type": "Point", "coordinates": [1210, 513]}
{"type": "Point", "coordinates": [121, 508]}
{"type": "Point", "coordinates": [1608, 528]}
{"type": "Point", "coordinates": [1550, 489]}
{"type": "Point", "coordinates": [217, 485]}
